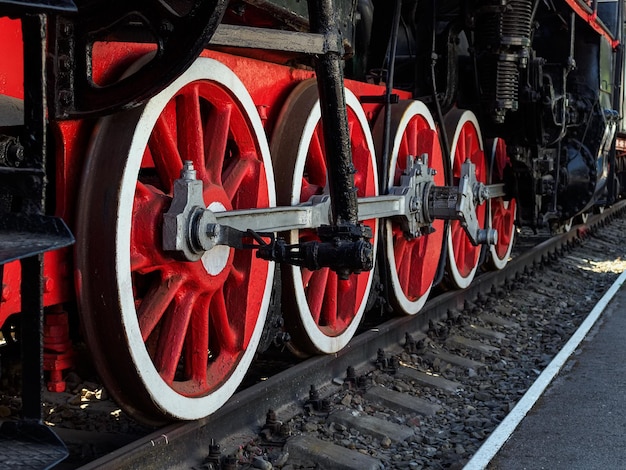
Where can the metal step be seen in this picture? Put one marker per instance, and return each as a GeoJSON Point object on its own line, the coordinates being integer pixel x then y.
{"type": "Point", "coordinates": [28, 445]}
{"type": "Point", "coordinates": [22, 236]}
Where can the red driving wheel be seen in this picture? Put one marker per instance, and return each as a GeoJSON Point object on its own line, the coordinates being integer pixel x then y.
{"type": "Point", "coordinates": [412, 262]}
{"type": "Point", "coordinates": [322, 311]}
{"type": "Point", "coordinates": [171, 338]}
{"type": "Point", "coordinates": [465, 143]}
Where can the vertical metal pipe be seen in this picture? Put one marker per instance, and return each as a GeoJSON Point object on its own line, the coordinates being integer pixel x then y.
{"type": "Point", "coordinates": [618, 99]}
{"type": "Point", "coordinates": [34, 29]}
{"type": "Point", "coordinates": [329, 71]}
{"type": "Point", "coordinates": [35, 119]}
{"type": "Point", "coordinates": [31, 337]}
{"type": "Point", "coordinates": [384, 171]}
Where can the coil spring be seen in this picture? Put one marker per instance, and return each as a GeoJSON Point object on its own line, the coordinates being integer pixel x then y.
{"type": "Point", "coordinates": [502, 38]}
{"type": "Point", "coordinates": [502, 26]}
{"type": "Point", "coordinates": [516, 23]}
{"type": "Point", "coordinates": [507, 85]}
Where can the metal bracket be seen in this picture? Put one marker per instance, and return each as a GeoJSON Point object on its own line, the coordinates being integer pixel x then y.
{"type": "Point", "coordinates": [416, 183]}
{"type": "Point", "coordinates": [460, 204]}
{"type": "Point", "coordinates": [273, 39]}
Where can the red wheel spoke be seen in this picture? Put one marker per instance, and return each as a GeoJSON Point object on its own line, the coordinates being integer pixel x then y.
{"type": "Point", "coordinates": [477, 156]}
{"type": "Point", "coordinates": [347, 296]}
{"type": "Point", "coordinates": [316, 291]}
{"type": "Point", "coordinates": [405, 148]}
{"type": "Point", "coordinates": [462, 251]}
{"type": "Point", "coordinates": [139, 262]}
{"type": "Point", "coordinates": [412, 133]}
{"type": "Point", "coordinates": [237, 275]}
{"type": "Point", "coordinates": [328, 315]}
{"type": "Point", "coordinates": [216, 132]}
{"type": "Point", "coordinates": [316, 163]}
{"type": "Point", "coordinates": [363, 169]}
{"type": "Point", "coordinates": [402, 264]}
{"type": "Point", "coordinates": [309, 190]}
{"type": "Point", "coordinates": [197, 343]}
{"type": "Point", "coordinates": [236, 174]}
{"type": "Point", "coordinates": [415, 286]}
{"type": "Point", "coordinates": [239, 292]}
{"type": "Point", "coordinates": [221, 328]}
{"type": "Point", "coordinates": [189, 123]}
{"type": "Point", "coordinates": [256, 186]}
{"type": "Point", "coordinates": [156, 301]}
{"type": "Point", "coordinates": [306, 277]}
{"type": "Point", "coordinates": [172, 335]}
{"type": "Point", "coordinates": [143, 192]}
{"type": "Point", "coordinates": [165, 154]}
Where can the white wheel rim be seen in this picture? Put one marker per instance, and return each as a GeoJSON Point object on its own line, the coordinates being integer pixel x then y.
{"type": "Point", "coordinates": [408, 306]}
{"type": "Point", "coordinates": [174, 404]}
{"type": "Point", "coordinates": [458, 278]}
{"type": "Point", "coordinates": [496, 261]}
{"type": "Point", "coordinates": [321, 341]}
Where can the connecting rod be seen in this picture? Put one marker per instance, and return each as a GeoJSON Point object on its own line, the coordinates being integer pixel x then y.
{"type": "Point", "coordinates": [190, 229]}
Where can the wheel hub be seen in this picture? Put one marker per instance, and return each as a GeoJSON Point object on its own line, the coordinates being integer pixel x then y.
{"type": "Point", "coordinates": [216, 259]}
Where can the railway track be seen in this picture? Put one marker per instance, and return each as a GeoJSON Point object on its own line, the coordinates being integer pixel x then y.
{"type": "Point", "coordinates": [414, 392]}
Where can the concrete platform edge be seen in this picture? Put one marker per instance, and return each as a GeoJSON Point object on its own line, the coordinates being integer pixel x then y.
{"type": "Point", "coordinates": [496, 440]}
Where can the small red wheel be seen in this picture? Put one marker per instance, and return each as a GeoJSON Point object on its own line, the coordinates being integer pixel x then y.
{"type": "Point", "coordinates": [322, 312]}
{"type": "Point", "coordinates": [170, 338]}
{"type": "Point", "coordinates": [466, 142]}
{"type": "Point", "coordinates": [412, 262]}
{"type": "Point", "coordinates": [501, 212]}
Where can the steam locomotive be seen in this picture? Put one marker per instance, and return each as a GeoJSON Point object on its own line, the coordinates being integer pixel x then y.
{"type": "Point", "coordinates": [195, 180]}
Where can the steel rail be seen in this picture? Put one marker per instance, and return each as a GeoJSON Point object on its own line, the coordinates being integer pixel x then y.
{"type": "Point", "coordinates": [181, 444]}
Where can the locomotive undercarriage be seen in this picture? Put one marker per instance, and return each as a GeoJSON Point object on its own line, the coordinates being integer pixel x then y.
{"type": "Point", "coordinates": [574, 121]}
{"type": "Point", "coordinates": [194, 186]}
{"type": "Point", "coordinates": [418, 201]}
{"type": "Point", "coordinates": [535, 74]}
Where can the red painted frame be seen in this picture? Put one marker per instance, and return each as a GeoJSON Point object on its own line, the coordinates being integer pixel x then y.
{"type": "Point", "coordinates": [583, 9]}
